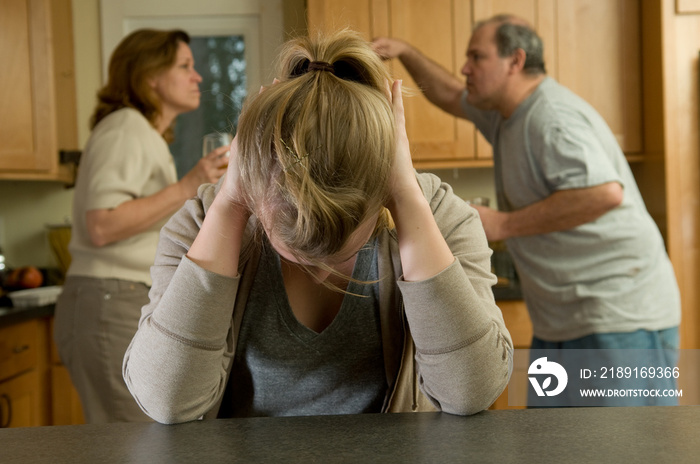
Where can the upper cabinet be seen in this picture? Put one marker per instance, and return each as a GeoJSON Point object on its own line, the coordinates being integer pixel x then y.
{"type": "Point", "coordinates": [37, 89]}
{"type": "Point", "coordinates": [597, 54]}
{"type": "Point", "coordinates": [592, 47]}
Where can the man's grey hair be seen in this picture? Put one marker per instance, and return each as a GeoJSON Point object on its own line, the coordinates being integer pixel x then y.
{"type": "Point", "coordinates": [514, 33]}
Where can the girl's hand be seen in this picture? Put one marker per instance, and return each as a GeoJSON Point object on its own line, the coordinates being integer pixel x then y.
{"type": "Point", "coordinates": [230, 186]}
{"type": "Point", "coordinates": [403, 176]}
{"type": "Point", "coordinates": [424, 252]}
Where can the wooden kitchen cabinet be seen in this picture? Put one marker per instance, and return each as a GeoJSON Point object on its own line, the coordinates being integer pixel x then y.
{"type": "Point", "coordinates": [518, 323]}
{"type": "Point", "coordinates": [23, 402]}
{"type": "Point", "coordinates": [598, 56]}
{"type": "Point", "coordinates": [35, 388]}
{"type": "Point", "coordinates": [592, 47]}
{"type": "Point", "coordinates": [437, 28]}
{"type": "Point", "coordinates": [66, 408]}
{"type": "Point", "coordinates": [37, 89]}
{"type": "Point", "coordinates": [65, 402]}
{"type": "Point", "coordinates": [24, 383]}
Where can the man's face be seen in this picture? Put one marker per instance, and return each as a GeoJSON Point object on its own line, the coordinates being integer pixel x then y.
{"type": "Point", "coordinates": [486, 72]}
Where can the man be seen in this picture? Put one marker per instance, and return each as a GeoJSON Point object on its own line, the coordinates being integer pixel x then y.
{"type": "Point", "coordinates": [592, 263]}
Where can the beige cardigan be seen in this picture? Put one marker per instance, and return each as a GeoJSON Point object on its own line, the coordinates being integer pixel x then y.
{"type": "Point", "coordinates": [445, 344]}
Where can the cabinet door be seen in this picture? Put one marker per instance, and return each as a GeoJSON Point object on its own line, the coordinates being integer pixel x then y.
{"type": "Point", "coordinates": [593, 48]}
{"type": "Point", "coordinates": [440, 29]}
{"type": "Point", "coordinates": [23, 401]}
{"type": "Point", "coordinates": [540, 14]}
{"type": "Point", "coordinates": [26, 128]}
{"type": "Point", "coordinates": [30, 32]}
{"type": "Point", "coordinates": [369, 18]}
{"type": "Point", "coordinates": [598, 58]}
{"type": "Point", "coordinates": [20, 348]}
{"type": "Point", "coordinates": [66, 408]}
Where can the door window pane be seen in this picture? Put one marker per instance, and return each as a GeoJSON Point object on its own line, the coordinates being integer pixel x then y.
{"type": "Point", "coordinates": [221, 63]}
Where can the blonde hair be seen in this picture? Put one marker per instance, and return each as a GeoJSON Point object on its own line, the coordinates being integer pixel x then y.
{"type": "Point", "coordinates": [316, 149]}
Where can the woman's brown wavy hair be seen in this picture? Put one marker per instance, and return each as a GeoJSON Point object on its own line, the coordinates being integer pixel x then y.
{"type": "Point", "coordinates": [139, 56]}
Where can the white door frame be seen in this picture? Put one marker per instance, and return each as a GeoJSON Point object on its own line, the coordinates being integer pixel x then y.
{"type": "Point", "coordinates": [259, 21]}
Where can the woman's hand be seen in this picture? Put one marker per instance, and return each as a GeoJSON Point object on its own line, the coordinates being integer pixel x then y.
{"type": "Point", "coordinates": [207, 170]}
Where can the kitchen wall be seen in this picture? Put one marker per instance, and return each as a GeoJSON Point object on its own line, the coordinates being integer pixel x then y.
{"type": "Point", "coordinates": [26, 207]}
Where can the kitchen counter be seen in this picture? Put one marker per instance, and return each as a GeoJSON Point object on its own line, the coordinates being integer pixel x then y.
{"type": "Point", "coordinates": [507, 293]}
{"type": "Point", "coordinates": [571, 435]}
{"type": "Point", "coordinates": [9, 315]}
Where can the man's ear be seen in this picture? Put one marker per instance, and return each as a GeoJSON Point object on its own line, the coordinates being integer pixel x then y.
{"type": "Point", "coordinates": [517, 61]}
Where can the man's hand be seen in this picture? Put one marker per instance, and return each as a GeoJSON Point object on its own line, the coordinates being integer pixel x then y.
{"type": "Point", "coordinates": [388, 48]}
{"type": "Point", "coordinates": [492, 221]}
{"type": "Point", "coordinates": [562, 210]}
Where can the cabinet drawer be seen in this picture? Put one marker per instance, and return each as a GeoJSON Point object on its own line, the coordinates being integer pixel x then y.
{"type": "Point", "coordinates": [19, 348]}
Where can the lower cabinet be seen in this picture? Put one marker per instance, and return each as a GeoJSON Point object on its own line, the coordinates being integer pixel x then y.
{"type": "Point", "coordinates": [23, 401]}
{"type": "Point", "coordinates": [35, 388]}
{"type": "Point", "coordinates": [65, 402]}
{"type": "Point", "coordinates": [518, 323]}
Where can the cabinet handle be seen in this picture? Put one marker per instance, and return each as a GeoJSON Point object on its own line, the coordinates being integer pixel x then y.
{"type": "Point", "coordinates": [7, 401]}
{"type": "Point", "coordinates": [20, 349]}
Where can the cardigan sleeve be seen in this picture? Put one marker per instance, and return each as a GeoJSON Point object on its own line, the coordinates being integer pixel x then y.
{"type": "Point", "coordinates": [176, 364]}
{"type": "Point", "coordinates": [463, 350]}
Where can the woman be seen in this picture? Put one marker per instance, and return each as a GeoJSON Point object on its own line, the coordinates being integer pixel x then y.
{"type": "Point", "coordinates": [322, 266]}
{"type": "Point", "coordinates": [126, 189]}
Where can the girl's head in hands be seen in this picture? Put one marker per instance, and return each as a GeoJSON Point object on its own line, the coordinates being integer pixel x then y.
{"type": "Point", "coordinates": [316, 149]}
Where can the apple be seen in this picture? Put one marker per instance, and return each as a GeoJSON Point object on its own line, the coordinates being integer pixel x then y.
{"type": "Point", "coordinates": [24, 277]}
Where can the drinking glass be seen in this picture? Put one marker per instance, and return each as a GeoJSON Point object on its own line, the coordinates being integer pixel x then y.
{"type": "Point", "coordinates": [479, 201]}
{"type": "Point", "coordinates": [215, 140]}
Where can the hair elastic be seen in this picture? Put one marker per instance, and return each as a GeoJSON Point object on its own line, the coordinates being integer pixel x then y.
{"type": "Point", "coordinates": [321, 66]}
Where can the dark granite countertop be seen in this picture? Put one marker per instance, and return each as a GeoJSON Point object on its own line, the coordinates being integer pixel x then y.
{"type": "Point", "coordinates": [10, 315]}
{"type": "Point", "coordinates": [550, 435]}
{"type": "Point", "coordinates": [511, 292]}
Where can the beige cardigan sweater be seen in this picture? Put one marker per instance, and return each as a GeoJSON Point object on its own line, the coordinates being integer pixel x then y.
{"type": "Point", "coordinates": [445, 343]}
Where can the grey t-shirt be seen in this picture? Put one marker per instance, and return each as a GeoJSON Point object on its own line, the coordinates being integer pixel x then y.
{"type": "Point", "coordinates": [609, 275]}
{"type": "Point", "coordinates": [283, 368]}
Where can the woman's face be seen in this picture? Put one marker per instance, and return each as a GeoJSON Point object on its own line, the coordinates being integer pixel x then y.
{"type": "Point", "coordinates": [177, 88]}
